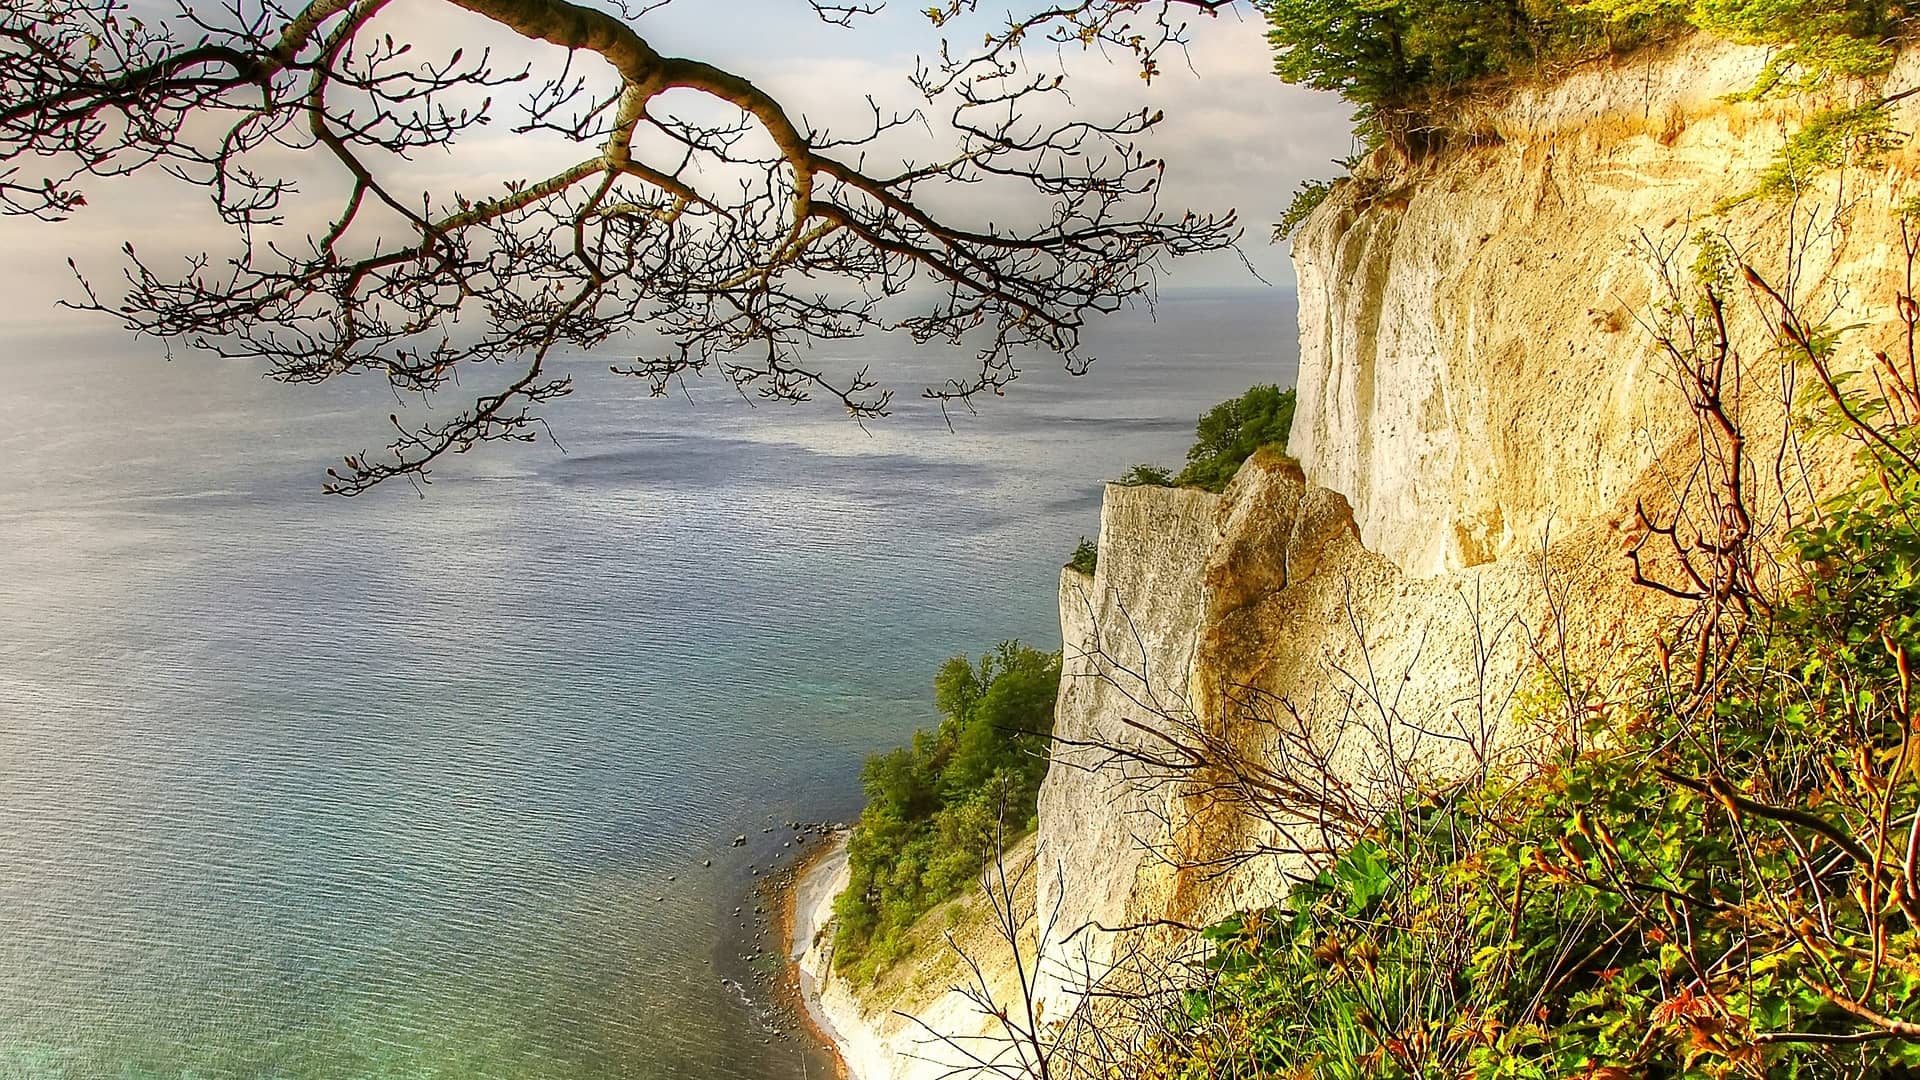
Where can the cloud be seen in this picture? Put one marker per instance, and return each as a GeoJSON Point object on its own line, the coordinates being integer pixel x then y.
{"type": "Point", "coordinates": [1234, 135]}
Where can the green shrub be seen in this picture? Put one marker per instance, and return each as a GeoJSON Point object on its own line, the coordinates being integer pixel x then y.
{"type": "Point", "coordinates": [1388, 55]}
{"type": "Point", "coordinates": [935, 808]}
{"type": "Point", "coordinates": [1306, 199]}
{"type": "Point", "coordinates": [1231, 431]}
{"type": "Point", "coordinates": [1146, 476]}
{"type": "Point", "coordinates": [1224, 438]}
{"type": "Point", "coordinates": [1086, 556]}
{"type": "Point", "coordinates": [1402, 61]}
{"type": "Point", "coordinates": [1817, 40]}
{"type": "Point", "coordinates": [1720, 883]}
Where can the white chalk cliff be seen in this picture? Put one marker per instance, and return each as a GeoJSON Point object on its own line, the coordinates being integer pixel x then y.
{"type": "Point", "coordinates": [1479, 408]}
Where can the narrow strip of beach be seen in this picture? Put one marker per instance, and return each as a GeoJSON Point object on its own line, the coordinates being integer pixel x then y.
{"type": "Point", "coordinates": [803, 907]}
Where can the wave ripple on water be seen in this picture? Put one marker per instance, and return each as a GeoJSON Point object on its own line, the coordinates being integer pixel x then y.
{"type": "Point", "coordinates": [392, 787]}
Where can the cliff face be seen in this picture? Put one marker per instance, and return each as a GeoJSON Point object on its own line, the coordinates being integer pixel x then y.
{"type": "Point", "coordinates": [1209, 617]}
{"type": "Point", "coordinates": [1480, 409]}
{"type": "Point", "coordinates": [1471, 362]}
{"type": "Point", "coordinates": [1135, 617]}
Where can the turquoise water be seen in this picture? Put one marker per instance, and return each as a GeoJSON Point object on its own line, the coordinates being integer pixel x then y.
{"type": "Point", "coordinates": [293, 786]}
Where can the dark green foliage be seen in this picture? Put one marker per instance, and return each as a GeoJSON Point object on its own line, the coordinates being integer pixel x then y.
{"type": "Point", "coordinates": [935, 808]}
{"type": "Point", "coordinates": [1224, 439]}
{"type": "Point", "coordinates": [1401, 62]}
{"type": "Point", "coordinates": [1306, 199]}
{"type": "Point", "coordinates": [1720, 883]}
{"type": "Point", "coordinates": [1146, 476]}
{"type": "Point", "coordinates": [1392, 57]}
{"type": "Point", "coordinates": [1231, 431]}
{"type": "Point", "coordinates": [1086, 556]}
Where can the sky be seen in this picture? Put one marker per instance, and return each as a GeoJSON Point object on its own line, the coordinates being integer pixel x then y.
{"type": "Point", "coordinates": [1235, 136]}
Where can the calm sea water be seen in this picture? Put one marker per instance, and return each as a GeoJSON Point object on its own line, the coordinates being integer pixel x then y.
{"type": "Point", "coordinates": [293, 786]}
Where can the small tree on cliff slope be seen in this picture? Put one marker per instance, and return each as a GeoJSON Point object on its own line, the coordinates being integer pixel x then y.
{"type": "Point", "coordinates": [681, 197]}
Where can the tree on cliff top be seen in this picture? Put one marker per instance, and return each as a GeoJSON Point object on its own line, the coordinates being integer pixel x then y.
{"type": "Point", "coordinates": [1397, 59]}
{"type": "Point", "coordinates": [682, 197]}
{"type": "Point", "coordinates": [1230, 432]}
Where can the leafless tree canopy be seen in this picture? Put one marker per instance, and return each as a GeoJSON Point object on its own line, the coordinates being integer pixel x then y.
{"type": "Point", "coordinates": [693, 202]}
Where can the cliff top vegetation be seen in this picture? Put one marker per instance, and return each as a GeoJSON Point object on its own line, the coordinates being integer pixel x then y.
{"type": "Point", "coordinates": [1398, 59]}
{"type": "Point", "coordinates": [1404, 63]}
{"type": "Point", "coordinates": [1224, 438]}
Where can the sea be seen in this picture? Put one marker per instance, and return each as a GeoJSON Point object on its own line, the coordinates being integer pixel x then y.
{"type": "Point", "coordinates": [426, 783]}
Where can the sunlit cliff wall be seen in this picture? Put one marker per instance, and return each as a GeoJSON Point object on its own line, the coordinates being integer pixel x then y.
{"type": "Point", "coordinates": [1481, 406]}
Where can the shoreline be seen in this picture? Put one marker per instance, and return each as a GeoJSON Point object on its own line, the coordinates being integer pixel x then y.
{"type": "Point", "coordinates": [803, 895]}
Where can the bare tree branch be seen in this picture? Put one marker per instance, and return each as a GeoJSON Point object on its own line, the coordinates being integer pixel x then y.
{"type": "Point", "coordinates": [744, 240]}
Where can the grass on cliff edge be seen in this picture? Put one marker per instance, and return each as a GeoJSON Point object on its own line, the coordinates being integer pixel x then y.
{"type": "Point", "coordinates": [935, 807]}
